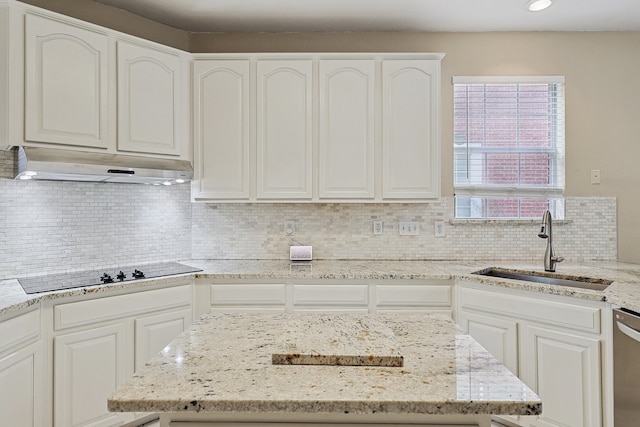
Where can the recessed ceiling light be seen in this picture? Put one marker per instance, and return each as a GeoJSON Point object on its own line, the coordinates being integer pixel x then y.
{"type": "Point", "coordinates": [538, 5]}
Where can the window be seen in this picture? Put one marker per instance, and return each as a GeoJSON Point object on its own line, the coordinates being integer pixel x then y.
{"type": "Point", "coordinates": [508, 147]}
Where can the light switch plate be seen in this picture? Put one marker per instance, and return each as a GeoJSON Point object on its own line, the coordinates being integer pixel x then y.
{"type": "Point", "coordinates": [378, 227]}
{"type": "Point", "coordinates": [409, 228]}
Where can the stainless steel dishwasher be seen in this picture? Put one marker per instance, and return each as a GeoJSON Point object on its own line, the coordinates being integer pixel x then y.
{"type": "Point", "coordinates": [626, 368]}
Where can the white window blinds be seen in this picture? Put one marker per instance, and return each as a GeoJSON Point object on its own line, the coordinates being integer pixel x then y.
{"type": "Point", "coordinates": [508, 145]}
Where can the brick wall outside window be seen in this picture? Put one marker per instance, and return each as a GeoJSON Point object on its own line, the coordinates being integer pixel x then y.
{"type": "Point", "coordinates": [507, 135]}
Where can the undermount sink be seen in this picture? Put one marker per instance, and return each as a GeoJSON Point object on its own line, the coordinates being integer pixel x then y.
{"type": "Point", "coordinates": [547, 278]}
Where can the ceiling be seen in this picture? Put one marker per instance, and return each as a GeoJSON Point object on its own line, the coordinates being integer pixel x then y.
{"type": "Point", "coordinates": [385, 15]}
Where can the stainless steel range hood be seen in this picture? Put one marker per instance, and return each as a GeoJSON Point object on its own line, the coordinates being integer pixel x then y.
{"type": "Point", "coordinates": [67, 165]}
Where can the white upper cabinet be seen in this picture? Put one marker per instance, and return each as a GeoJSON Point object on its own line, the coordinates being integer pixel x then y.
{"type": "Point", "coordinates": [149, 100]}
{"type": "Point", "coordinates": [284, 129]}
{"type": "Point", "coordinates": [346, 149]}
{"type": "Point", "coordinates": [331, 127]}
{"type": "Point", "coordinates": [74, 85]}
{"type": "Point", "coordinates": [221, 129]}
{"type": "Point", "coordinates": [410, 141]}
{"type": "Point", "coordinates": [67, 71]}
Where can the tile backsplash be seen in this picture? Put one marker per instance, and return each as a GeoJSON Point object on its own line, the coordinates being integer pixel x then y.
{"type": "Point", "coordinates": [48, 227]}
{"type": "Point", "coordinates": [345, 231]}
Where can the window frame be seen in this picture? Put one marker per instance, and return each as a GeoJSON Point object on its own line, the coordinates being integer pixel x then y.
{"type": "Point", "coordinates": [553, 192]}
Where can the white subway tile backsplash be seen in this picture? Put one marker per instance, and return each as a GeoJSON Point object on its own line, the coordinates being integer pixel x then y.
{"type": "Point", "coordinates": [344, 231]}
{"type": "Point", "coordinates": [49, 227]}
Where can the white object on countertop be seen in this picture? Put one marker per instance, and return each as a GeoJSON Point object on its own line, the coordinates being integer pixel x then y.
{"type": "Point", "coordinates": [300, 253]}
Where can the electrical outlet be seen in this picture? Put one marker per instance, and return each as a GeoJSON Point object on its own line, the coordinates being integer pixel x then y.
{"type": "Point", "coordinates": [438, 229]}
{"type": "Point", "coordinates": [409, 228]}
{"type": "Point", "coordinates": [378, 227]}
{"type": "Point", "coordinates": [289, 228]}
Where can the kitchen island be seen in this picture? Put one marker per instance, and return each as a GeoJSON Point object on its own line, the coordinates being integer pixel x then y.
{"type": "Point", "coordinates": [220, 370]}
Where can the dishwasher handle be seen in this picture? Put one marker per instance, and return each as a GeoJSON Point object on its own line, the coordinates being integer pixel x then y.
{"type": "Point", "coordinates": [628, 331]}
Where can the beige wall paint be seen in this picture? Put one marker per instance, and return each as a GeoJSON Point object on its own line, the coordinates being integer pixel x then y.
{"type": "Point", "coordinates": [602, 73]}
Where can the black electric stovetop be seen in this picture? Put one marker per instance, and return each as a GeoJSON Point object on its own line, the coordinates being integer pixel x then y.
{"type": "Point", "coordinates": [56, 282]}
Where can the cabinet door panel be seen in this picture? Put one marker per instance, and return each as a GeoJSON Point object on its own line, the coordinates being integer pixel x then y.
{"type": "Point", "coordinates": [271, 297]}
{"type": "Point", "coordinates": [149, 86]}
{"type": "Point", "coordinates": [284, 129]}
{"type": "Point", "coordinates": [66, 84]}
{"type": "Point", "coordinates": [413, 296]}
{"type": "Point", "coordinates": [330, 298]}
{"type": "Point", "coordinates": [21, 387]}
{"type": "Point", "coordinates": [346, 159]}
{"type": "Point", "coordinates": [153, 333]}
{"type": "Point", "coordinates": [221, 121]}
{"type": "Point", "coordinates": [564, 370]}
{"type": "Point", "coordinates": [410, 152]}
{"type": "Point", "coordinates": [88, 366]}
{"type": "Point", "coordinates": [498, 336]}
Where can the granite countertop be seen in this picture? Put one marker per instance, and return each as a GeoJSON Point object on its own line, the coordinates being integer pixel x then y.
{"type": "Point", "coordinates": [624, 292]}
{"type": "Point", "coordinates": [13, 299]}
{"type": "Point", "coordinates": [223, 363]}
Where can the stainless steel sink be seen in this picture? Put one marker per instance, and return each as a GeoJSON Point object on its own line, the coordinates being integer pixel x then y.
{"type": "Point", "coordinates": [547, 278]}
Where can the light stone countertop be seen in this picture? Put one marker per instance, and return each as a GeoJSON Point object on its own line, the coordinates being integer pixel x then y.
{"type": "Point", "coordinates": [222, 364]}
{"type": "Point", "coordinates": [625, 291]}
{"type": "Point", "coordinates": [13, 299]}
{"type": "Point", "coordinates": [337, 340]}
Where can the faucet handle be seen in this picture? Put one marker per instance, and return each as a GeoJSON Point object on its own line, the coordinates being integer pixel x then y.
{"type": "Point", "coordinates": [557, 258]}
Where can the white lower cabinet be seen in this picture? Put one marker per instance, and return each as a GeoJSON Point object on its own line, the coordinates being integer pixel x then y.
{"type": "Point", "coordinates": [554, 345]}
{"type": "Point", "coordinates": [99, 343]}
{"type": "Point", "coordinates": [340, 297]}
{"type": "Point", "coordinates": [23, 396]}
{"type": "Point", "coordinates": [498, 335]}
{"type": "Point", "coordinates": [564, 369]}
{"type": "Point", "coordinates": [228, 298]}
{"type": "Point", "coordinates": [154, 332]}
{"type": "Point", "coordinates": [88, 366]}
{"type": "Point", "coordinates": [433, 296]}
{"type": "Point", "coordinates": [329, 295]}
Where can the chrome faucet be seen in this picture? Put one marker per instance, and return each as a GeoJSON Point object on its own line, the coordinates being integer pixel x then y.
{"type": "Point", "coordinates": [546, 232]}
